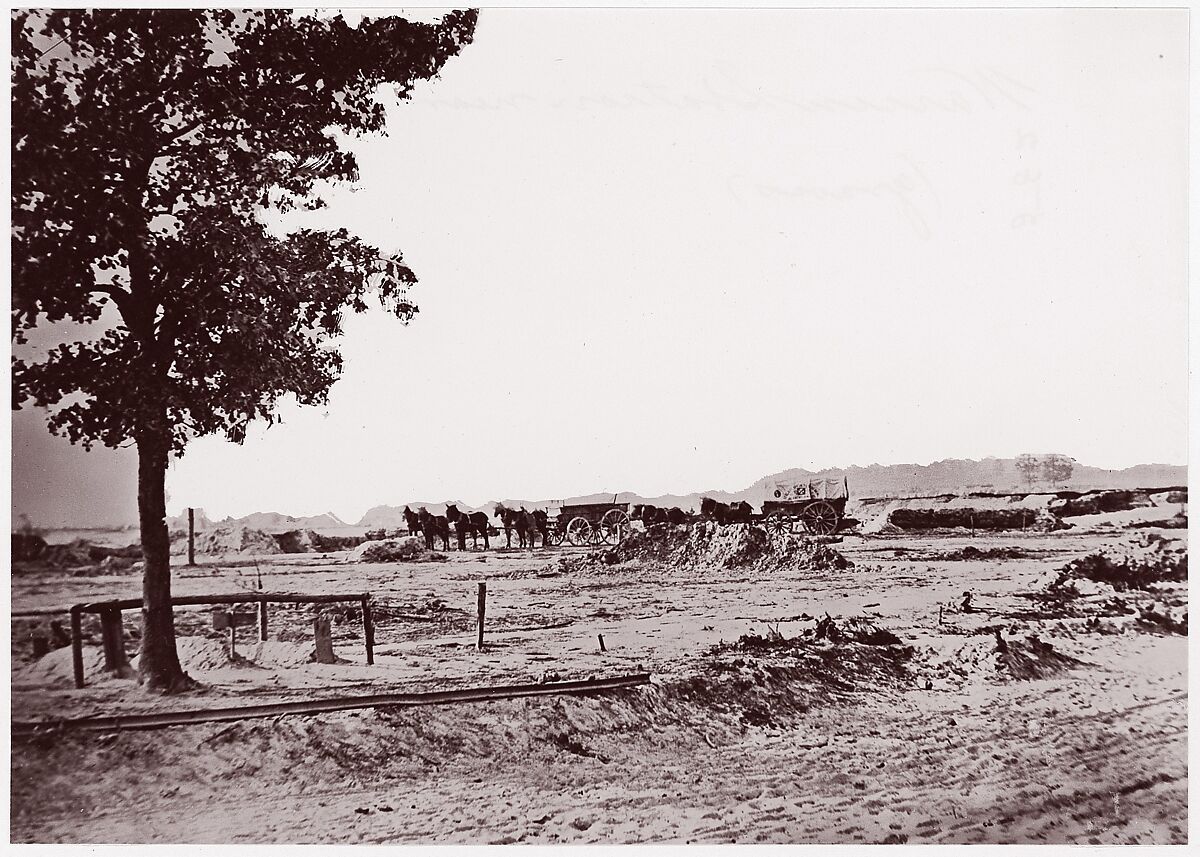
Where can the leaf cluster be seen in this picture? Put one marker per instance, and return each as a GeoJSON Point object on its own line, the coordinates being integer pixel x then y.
{"type": "Point", "coordinates": [146, 146]}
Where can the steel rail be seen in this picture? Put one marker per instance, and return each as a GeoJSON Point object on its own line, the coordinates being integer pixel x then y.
{"type": "Point", "coordinates": [162, 719]}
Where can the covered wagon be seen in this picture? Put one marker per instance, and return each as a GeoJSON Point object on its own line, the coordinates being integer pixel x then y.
{"type": "Point", "coordinates": [813, 505]}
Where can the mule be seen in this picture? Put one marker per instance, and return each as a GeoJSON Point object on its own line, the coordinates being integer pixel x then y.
{"type": "Point", "coordinates": [527, 529]}
{"type": "Point", "coordinates": [413, 520]}
{"type": "Point", "coordinates": [740, 512]}
{"type": "Point", "coordinates": [541, 523]}
{"type": "Point", "coordinates": [650, 515]}
{"type": "Point", "coordinates": [647, 514]}
{"type": "Point", "coordinates": [434, 527]}
{"type": "Point", "coordinates": [473, 523]}
{"type": "Point", "coordinates": [508, 520]}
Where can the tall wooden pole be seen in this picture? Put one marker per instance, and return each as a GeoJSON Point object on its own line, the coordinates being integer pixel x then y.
{"type": "Point", "coordinates": [77, 645]}
{"type": "Point", "coordinates": [368, 630]}
{"type": "Point", "coordinates": [482, 609]}
{"type": "Point", "coordinates": [191, 536]}
{"type": "Point", "coordinates": [262, 619]}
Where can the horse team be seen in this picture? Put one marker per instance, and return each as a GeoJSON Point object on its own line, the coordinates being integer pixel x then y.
{"type": "Point", "coordinates": [529, 525]}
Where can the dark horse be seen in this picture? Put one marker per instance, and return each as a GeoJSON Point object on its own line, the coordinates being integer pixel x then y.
{"type": "Point", "coordinates": [650, 515]}
{"type": "Point", "coordinates": [541, 522]}
{"type": "Point", "coordinates": [676, 516]}
{"type": "Point", "coordinates": [740, 512]}
{"type": "Point", "coordinates": [413, 520]}
{"type": "Point", "coordinates": [531, 525]}
{"type": "Point", "coordinates": [475, 523]}
{"type": "Point", "coordinates": [508, 520]}
{"type": "Point", "coordinates": [434, 527]}
{"type": "Point", "coordinates": [524, 522]}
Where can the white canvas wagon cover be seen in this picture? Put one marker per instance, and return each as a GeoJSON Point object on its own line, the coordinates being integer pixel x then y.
{"type": "Point", "coordinates": [811, 489]}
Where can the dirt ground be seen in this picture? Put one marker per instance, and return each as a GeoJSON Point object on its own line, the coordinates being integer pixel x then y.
{"type": "Point", "coordinates": [753, 729]}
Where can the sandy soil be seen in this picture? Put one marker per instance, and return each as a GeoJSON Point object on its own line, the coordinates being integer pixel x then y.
{"type": "Point", "coordinates": [810, 742]}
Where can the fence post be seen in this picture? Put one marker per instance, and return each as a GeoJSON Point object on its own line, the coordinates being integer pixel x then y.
{"type": "Point", "coordinates": [191, 536]}
{"type": "Point", "coordinates": [323, 653]}
{"type": "Point", "coordinates": [77, 645]}
{"type": "Point", "coordinates": [262, 618]}
{"type": "Point", "coordinates": [113, 635]}
{"type": "Point", "coordinates": [108, 637]}
{"type": "Point", "coordinates": [368, 629]}
{"type": "Point", "coordinates": [482, 605]}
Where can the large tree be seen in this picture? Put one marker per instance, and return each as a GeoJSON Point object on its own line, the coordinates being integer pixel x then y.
{"type": "Point", "coordinates": [146, 147]}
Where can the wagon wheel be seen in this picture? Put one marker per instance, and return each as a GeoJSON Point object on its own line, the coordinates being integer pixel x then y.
{"type": "Point", "coordinates": [554, 535]}
{"type": "Point", "coordinates": [820, 518]}
{"type": "Point", "coordinates": [778, 523]}
{"type": "Point", "coordinates": [614, 525]}
{"type": "Point", "coordinates": [579, 532]}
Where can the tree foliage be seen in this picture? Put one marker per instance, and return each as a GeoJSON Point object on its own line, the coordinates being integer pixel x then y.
{"type": "Point", "coordinates": [1027, 466]}
{"type": "Point", "coordinates": [1052, 469]}
{"type": "Point", "coordinates": [146, 145]}
{"type": "Point", "coordinates": [1058, 469]}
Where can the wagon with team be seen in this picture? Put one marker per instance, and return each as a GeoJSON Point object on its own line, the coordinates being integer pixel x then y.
{"type": "Point", "coordinates": [816, 506]}
{"type": "Point", "coordinates": [582, 524]}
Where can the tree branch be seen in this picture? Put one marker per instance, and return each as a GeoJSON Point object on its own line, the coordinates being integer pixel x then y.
{"type": "Point", "coordinates": [119, 297]}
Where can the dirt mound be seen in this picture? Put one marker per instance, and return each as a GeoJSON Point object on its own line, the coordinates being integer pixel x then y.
{"type": "Point", "coordinates": [324, 543]}
{"type": "Point", "coordinates": [714, 707]}
{"type": "Point", "coordinates": [81, 552]}
{"type": "Point", "coordinates": [1022, 518]}
{"type": "Point", "coordinates": [295, 541]}
{"type": "Point", "coordinates": [989, 512]}
{"type": "Point", "coordinates": [385, 533]}
{"type": "Point", "coordinates": [57, 668]}
{"type": "Point", "coordinates": [856, 629]}
{"type": "Point", "coordinates": [1139, 563]}
{"type": "Point", "coordinates": [27, 546]}
{"type": "Point", "coordinates": [81, 558]}
{"type": "Point", "coordinates": [1164, 617]}
{"type": "Point", "coordinates": [1101, 501]}
{"type": "Point", "coordinates": [1032, 659]}
{"type": "Point", "coordinates": [990, 658]}
{"type": "Point", "coordinates": [852, 629]}
{"type": "Point", "coordinates": [228, 540]}
{"type": "Point", "coordinates": [406, 549]}
{"type": "Point", "coordinates": [1178, 521]}
{"type": "Point", "coordinates": [199, 653]}
{"type": "Point", "coordinates": [804, 668]}
{"type": "Point", "coordinates": [971, 553]}
{"type": "Point", "coordinates": [71, 555]}
{"type": "Point", "coordinates": [279, 653]}
{"type": "Point", "coordinates": [734, 546]}
{"type": "Point", "coordinates": [310, 541]}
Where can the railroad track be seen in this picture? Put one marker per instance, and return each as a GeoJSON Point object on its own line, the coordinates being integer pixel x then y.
{"type": "Point", "coordinates": [308, 707]}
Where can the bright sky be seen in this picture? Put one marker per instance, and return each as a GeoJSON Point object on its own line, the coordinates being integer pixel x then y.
{"type": "Point", "coordinates": [678, 250]}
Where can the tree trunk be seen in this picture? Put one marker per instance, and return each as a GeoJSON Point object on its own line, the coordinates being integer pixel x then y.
{"type": "Point", "coordinates": [158, 664]}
